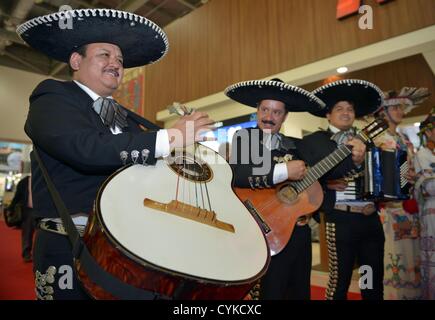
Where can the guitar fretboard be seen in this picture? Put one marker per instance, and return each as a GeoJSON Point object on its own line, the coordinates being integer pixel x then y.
{"type": "Point", "coordinates": [322, 167]}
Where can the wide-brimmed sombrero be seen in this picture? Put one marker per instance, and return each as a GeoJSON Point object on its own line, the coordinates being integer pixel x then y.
{"type": "Point", "coordinates": [295, 99]}
{"type": "Point", "coordinates": [59, 34]}
{"type": "Point", "coordinates": [365, 96]}
{"type": "Point", "coordinates": [409, 97]}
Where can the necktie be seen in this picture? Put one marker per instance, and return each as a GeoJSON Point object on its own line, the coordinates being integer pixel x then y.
{"type": "Point", "coordinates": [342, 136]}
{"type": "Point", "coordinates": [111, 113]}
{"type": "Point", "coordinates": [272, 141]}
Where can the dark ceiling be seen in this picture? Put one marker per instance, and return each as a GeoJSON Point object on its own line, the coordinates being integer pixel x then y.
{"type": "Point", "coordinates": [15, 54]}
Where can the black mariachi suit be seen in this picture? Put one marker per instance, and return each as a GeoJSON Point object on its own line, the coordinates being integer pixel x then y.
{"type": "Point", "coordinates": [79, 153]}
{"type": "Point", "coordinates": [288, 275]}
{"type": "Point", "coordinates": [351, 237]}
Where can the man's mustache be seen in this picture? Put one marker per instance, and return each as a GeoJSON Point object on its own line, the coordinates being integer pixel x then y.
{"type": "Point", "coordinates": [268, 122]}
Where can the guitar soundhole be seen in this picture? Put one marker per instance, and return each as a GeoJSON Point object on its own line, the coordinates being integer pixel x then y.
{"type": "Point", "coordinates": [287, 194]}
{"type": "Point", "coordinates": [189, 167]}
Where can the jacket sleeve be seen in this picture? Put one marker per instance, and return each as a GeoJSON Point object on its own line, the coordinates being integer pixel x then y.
{"type": "Point", "coordinates": [65, 132]}
{"type": "Point", "coordinates": [251, 163]}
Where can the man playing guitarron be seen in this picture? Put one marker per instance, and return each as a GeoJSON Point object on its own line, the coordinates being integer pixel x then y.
{"type": "Point", "coordinates": [80, 132]}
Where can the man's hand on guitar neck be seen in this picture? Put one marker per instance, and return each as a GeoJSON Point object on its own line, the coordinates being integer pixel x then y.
{"type": "Point", "coordinates": [188, 129]}
{"type": "Point", "coordinates": [358, 150]}
{"type": "Point", "coordinates": [296, 169]}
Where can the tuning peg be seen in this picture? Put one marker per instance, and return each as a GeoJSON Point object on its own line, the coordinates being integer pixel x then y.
{"type": "Point", "coordinates": [186, 110]}
{"type": "Point", "coordinates": [145, 153]}
{"type": "Point", "coordinates": [175, 108]}
{"type": "Point", "coordinates": [124, 156]}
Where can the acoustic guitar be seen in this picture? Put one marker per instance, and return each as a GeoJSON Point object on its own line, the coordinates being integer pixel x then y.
{"type": "Point", "coordinates": [177, 229]}
{"type": "Point", "coordinates": [278, 209]}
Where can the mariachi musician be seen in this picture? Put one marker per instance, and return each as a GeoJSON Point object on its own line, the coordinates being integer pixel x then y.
{"type": "Point", "coordinates": [402, 251]}
{"type": "Point", "coordinates": [353, 229]}
{"type": "Point", "coordinates": [79, 131]}
{"type": "Point", "coordinates": [262, 157]}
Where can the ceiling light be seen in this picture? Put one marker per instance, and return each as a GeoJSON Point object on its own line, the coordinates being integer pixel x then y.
{"type": "Point", "coordinates": [342, 70]}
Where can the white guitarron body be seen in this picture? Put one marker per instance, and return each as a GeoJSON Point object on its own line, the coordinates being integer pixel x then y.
{"type": "Point", "coordinates": [133, 210]}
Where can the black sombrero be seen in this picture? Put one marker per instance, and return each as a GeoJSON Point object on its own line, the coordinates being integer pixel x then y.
{"type": "Point", "coordinates": [252, 92]}
{"type": "Point", "coordinates": [59, 34]}
{"type": "Point", "coordinates": [365, 96]}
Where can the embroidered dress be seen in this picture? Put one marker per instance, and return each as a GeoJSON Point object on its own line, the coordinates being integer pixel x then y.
{"type": "Point", "coordinates": [425, 195]}
{"type": "Point", "coordinates": [402, 278]}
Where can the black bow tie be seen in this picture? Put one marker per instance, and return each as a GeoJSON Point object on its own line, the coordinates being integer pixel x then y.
{"type": "Point", "coordinates": [112, 114]}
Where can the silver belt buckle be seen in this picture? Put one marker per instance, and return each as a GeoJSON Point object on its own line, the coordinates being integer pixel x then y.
{"type": "Point", "coordinates": [368, 209]}
{"type": "Point", "coordinates": [302, 221]}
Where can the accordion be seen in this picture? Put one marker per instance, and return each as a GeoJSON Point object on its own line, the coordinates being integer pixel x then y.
{"type": "Point", "coordinates": [384, 175]}
{"type": "Point", "coordinates": [354, 190]}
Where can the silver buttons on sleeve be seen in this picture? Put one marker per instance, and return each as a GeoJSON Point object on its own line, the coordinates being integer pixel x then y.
{"type": "Point", "coordinates": [124, 157]}
{"type": "Point", "coordinates": [145, 153]}
{"type": "Point", "coordinates": [251, 182]}
{"type": "Point", "coordinates": [134, 156]}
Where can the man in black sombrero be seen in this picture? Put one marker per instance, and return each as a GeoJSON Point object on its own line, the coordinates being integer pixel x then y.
{"type": "Point", "coordinates": [270, 159]}
{"type": "Point", "coordinates": [79, 132]}
{"type": "Point", "coordinates": [353, 228]}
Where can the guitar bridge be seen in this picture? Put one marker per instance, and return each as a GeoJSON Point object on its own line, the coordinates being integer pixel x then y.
{"type": "Point", "coordinates": [189, 212]}
{"type": "Point", "coordinates": [263, 224]}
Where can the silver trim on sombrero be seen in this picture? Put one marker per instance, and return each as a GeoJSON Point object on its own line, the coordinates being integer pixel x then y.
{"type": "Point", "coordinates": [279, 84]}
{"type": "Point", "coordinates": [350, 82]}
{"type": "Point", "coordinates": [56, 16]}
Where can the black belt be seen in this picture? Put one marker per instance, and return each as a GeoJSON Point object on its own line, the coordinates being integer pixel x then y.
{"type": "Point", "coordinates": [366, 210]}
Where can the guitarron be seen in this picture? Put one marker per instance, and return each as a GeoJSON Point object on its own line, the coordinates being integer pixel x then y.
{"type": "Point", "coordinates": [177, 229]}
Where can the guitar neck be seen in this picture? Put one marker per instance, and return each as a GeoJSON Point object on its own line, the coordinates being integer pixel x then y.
{"type": "Point", "coordinates": [322, 167]}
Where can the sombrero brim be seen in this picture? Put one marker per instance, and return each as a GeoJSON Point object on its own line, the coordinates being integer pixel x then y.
{"type": "Point", "coordinates": [365, 96]}
{"type": "Point", "coordinates": [58, 34]}
{"type": "Point", "coordinates": [296, 99]}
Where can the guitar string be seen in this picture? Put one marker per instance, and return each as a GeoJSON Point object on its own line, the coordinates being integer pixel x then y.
{"type": "Point", "coordinates": [202, 194]}
{"type": "Point", "coordinates": [176, 190]}
{"type": "Point", "coordinates": [300, 185]}
{"type": "Point", "coordinates": [207, 193]}
{"type": "Point", "coordinates": [184, 180]}
{"type": "Point", "coordinates": [195, 182]}
{"type": "Point", "coordinates": [305, 183]}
